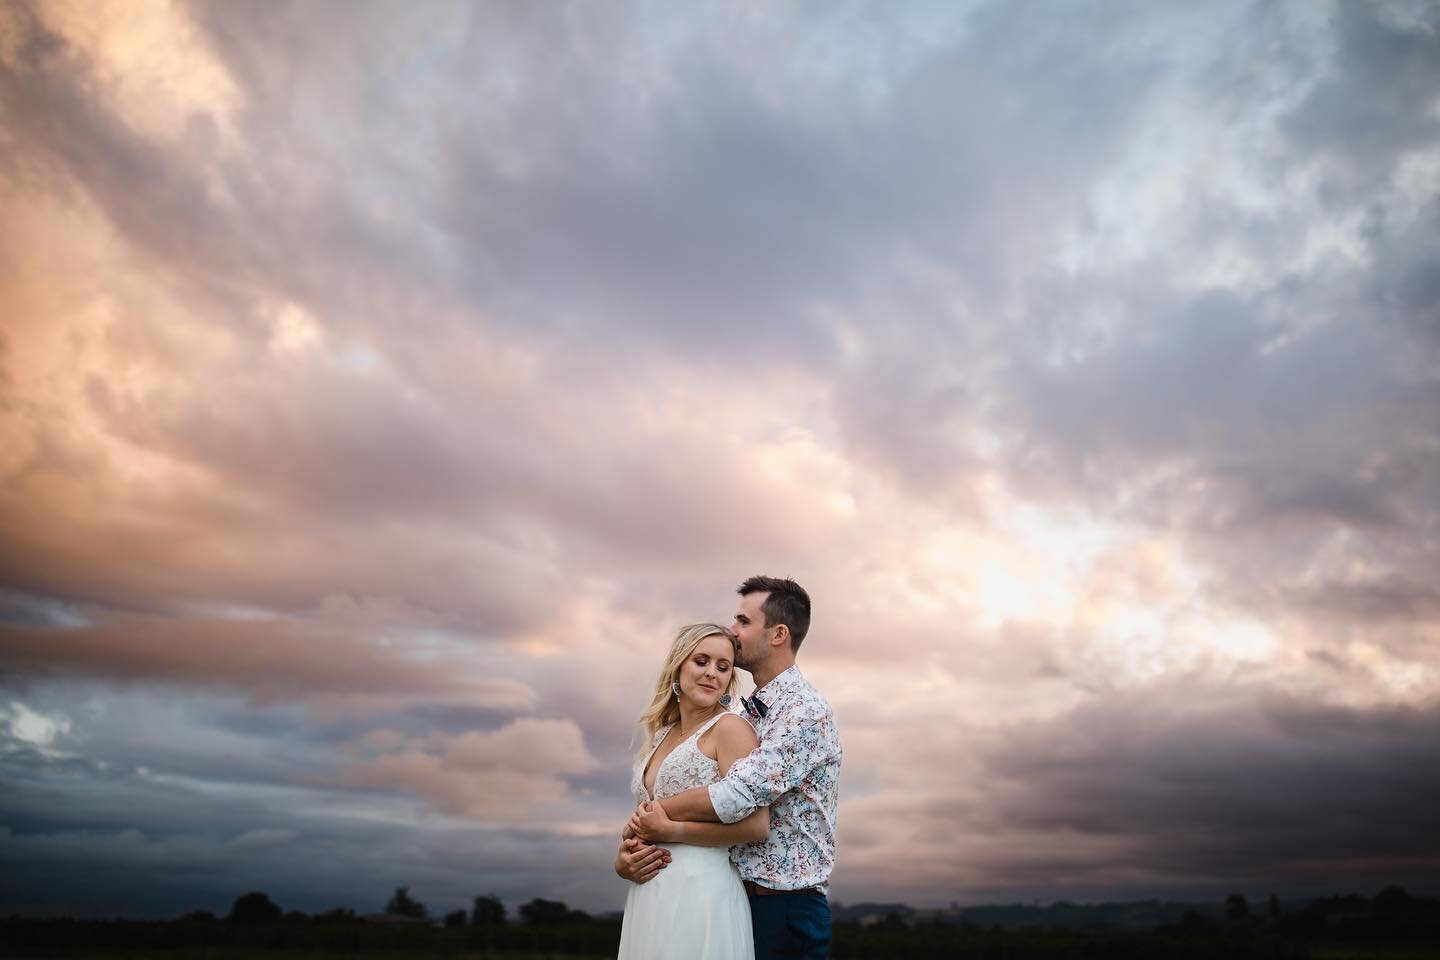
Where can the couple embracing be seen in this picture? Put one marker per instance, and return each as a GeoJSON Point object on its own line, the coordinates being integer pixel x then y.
{"type": "Point", "coordinates": [730, 848]}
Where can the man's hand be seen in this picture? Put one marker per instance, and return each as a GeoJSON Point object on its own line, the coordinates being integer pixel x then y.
{"type": "Point", "coordinates": [650, 822]}
{"type": "Point", "coordinates": [639, 861]}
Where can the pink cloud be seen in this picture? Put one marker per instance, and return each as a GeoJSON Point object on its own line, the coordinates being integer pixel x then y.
{"type": "Point", "coordinates": [516, 773]}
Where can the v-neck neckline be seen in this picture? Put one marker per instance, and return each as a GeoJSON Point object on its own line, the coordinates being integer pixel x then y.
{"type": "Point", "coordinates": [650, 788]}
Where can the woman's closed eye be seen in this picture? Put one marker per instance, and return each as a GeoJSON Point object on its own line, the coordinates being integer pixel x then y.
{"type": "Point", "coordinates": [721, 666]}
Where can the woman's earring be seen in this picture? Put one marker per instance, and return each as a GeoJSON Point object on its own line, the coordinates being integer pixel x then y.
{"type": "Point", "coordinates": [725, 700]}
{"type": "Point", "coordinates": [675, 689]}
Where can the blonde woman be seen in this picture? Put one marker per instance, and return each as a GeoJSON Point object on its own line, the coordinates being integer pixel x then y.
{"type": "Point", "coordinates": [685, 899]}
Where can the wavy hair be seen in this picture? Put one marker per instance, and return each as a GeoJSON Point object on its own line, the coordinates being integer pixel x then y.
{"type": "Point", "coordinates": [664, 708]}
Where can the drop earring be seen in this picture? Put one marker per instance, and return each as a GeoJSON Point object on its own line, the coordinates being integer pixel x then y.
{"type": "Point", "coordinates": [675, 689]}
{"type": "Point", "coordinates": [725, 700]}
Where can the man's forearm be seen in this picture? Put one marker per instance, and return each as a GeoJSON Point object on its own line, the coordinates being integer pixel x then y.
{"type": "Point", "coordinates": [692, 805]}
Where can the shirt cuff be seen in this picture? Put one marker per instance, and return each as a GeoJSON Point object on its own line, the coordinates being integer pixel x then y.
{"type": "Point", "coordinates": [730, 802]}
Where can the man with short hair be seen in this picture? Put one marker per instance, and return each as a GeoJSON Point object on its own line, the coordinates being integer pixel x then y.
{"type": "Point", "coordinates": [795, 771]}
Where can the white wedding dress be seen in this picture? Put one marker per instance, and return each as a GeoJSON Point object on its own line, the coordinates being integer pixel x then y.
{"type": "Point", "coordinates": [694, 909]}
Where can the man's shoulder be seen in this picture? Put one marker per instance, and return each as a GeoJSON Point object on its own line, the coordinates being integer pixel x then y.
{"type": "Point", "coordinates": [804, 720]}
{"type": "Point", "coordinates": [804, 704]}
{"type": "Point", "coordinates": [809, 697]}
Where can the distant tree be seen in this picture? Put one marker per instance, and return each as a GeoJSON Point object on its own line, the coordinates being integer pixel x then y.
{"type": "Point", "coordinates": [1274, 907]}
{"type": "Point", "coordinates": [455, 918]}
{"type": "Point", "coordinates": [1193, 923]}
{"type": "Point", "coordinates": [1237, 908]}
{"type": "Point", "coordinates": [296, 916]}
{"type": "Point", "coordinates": [402, 905]}
{"type": "Point", "coordinates": [337, 915]}
{"type": "Point", "coordinates": [254, 907]}
{"type": "Point", "coordinates": [488, 911]}
{"type": "Point", "coordinates": [544, 912]}
{"type": "Point", "coordinates": [1393, 899]}
{"type": "Point", "coordinates": [198, 916]}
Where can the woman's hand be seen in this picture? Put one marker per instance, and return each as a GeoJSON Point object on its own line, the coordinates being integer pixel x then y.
{"type": "Point", "coordinates": [638, 861]}
{"type": "Point", "coordinates": [650, 822]}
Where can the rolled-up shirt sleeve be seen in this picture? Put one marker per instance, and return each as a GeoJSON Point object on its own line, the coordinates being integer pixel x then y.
{"type": "Point", "coordinates": [798, 745]}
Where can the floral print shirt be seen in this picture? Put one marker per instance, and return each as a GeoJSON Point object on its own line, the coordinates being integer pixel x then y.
{"type": "Point", "coordinates": [796, 772]}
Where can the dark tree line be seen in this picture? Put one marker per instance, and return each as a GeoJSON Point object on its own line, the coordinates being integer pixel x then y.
{"type": "Point", "coordinates": [255, 922]}
{"type": "Point", "coordinates": [1392, 924]}
{"type": "Point", "coordinates": [1391, 921]}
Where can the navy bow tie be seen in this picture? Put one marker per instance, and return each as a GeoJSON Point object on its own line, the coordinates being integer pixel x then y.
{"type": "Point", "coordinates": [754, 706]}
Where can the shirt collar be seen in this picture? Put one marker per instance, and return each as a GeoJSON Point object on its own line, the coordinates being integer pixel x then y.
{"type": "Point", "coordinates": [787, 680]}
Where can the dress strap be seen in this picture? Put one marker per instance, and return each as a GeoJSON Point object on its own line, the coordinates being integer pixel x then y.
{"type": "Point", "coordinates": [700, 732]}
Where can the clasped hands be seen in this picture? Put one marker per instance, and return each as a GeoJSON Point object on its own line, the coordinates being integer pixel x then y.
{"type": "Point", "coordinates": [638, 859]}
{"type": "Point", "coordinates": [651, 822]}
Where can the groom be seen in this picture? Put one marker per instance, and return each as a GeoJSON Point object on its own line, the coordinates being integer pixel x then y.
{"type": "Point", "coordinates": [794, 771]}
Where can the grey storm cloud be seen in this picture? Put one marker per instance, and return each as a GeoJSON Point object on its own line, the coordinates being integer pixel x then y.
{"type": "Point", "coordinates": [1228, 797]}
{"type": "Point", "coordinates": [1377, 101]}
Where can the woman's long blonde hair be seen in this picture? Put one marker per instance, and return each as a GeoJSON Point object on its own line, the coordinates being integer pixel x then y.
{"type": "Point", "coordinates": [664, 708]}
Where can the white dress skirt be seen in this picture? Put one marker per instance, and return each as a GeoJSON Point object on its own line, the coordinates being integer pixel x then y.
{"type": "Point", "coordinates": [695, 908]}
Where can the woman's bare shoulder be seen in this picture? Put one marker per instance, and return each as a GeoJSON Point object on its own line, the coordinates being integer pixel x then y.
{"type": "Point", "coordinates": [736, 730]}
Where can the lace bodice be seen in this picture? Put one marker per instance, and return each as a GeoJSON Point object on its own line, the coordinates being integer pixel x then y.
{"type": "Point", "coordinates": [685, 766]}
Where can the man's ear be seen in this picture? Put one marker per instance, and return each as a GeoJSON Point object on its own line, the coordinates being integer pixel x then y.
{"type": "Point", "coordinates": [782, 633]}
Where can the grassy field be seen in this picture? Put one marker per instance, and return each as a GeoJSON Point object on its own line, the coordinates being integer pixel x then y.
{"type": "Point", "coordinates": [1316, 952]}
{"type": "Point", "coordinates": [202, 954]}
{"type": "Point", "coordinates": [78, 954]}
{"type": "Point", "coordinates": [1353, 952]}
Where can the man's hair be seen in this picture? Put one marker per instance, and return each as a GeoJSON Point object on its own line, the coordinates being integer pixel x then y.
{"type": "Point", "coordinates": [788, 603]}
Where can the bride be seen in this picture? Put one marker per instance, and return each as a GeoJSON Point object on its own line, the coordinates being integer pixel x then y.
{"type": "Point", "coordinates": [695, 906]}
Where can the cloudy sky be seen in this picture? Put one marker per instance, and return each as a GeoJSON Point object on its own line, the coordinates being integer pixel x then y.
{"type": "Point", "coordinates": [382, 385]}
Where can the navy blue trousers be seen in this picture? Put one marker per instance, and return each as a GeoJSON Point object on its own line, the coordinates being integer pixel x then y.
{"type": "Point", "coordinates": [791, 925]}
